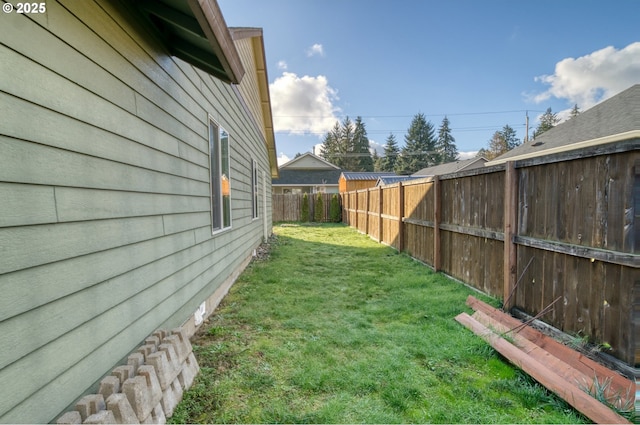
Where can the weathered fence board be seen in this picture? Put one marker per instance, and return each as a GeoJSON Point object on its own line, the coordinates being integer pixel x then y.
{"type": "Point", "coordinates": [560, 234]}
{"type": "Point", "coordinates": [288, 207]}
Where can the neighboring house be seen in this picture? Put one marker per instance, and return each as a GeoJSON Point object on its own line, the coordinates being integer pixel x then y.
{"type": "Point", "coordinates": [614, 121]}
{"type": "Point", "coordinates": [384, 180]}
{"type": "Point", "coordinates": [307, 173]}
{"type": "Point", "coordinates": [137, 152]}
{"type": "Point", "coordinates": [350, 181]}
{"type": "Point", "coordinates": [451, 167]}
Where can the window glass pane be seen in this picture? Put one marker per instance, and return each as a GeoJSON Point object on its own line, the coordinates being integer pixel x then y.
{"type": "Point", "coordinates": [254, 187]}
{"type": "Point", "coordinates": [225, 178]}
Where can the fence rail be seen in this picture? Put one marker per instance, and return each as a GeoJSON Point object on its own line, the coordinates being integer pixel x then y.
{"type": "Point", "coordinates": [288, 207]}
{"type": "Point", "coordinates": [529, 232]}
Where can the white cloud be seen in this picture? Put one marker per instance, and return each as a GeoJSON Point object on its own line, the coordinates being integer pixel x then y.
{"type": "Point", "coordinates": [592, 78]}
{"type": "Point", "coordinates": [315, 50]}
{"type": "Point", "coordinates": [317, 149]}
{"type": "Point", "coordinates": [282, 65]}
{"type": "Point", "coordinates": [375, 146]}
{"type": "Point", "coordinates": [302, 104]}
{"type": "Point", "coordinates": [467, 155]}
{"type": "Point", "coordinates": [283, 159]}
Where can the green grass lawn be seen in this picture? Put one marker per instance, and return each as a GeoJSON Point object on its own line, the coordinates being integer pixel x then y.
{"type": "Point", "coordinates": [336, 328]}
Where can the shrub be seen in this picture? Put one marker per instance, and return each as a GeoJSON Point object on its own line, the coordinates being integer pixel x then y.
{"type": "Point", "coordinates": [318, 211]}
{"type": "Point", "coordinates": [335, 214]}
{"type": "Point", "coordinates": [304, 215]}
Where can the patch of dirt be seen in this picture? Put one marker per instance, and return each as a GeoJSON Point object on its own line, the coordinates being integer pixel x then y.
{"type": "Point", "coordinates": [264, 250]}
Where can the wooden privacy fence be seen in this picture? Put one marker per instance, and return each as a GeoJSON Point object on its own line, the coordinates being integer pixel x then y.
{"type": "Point", "coordinates": [557, 235]}
{"type": "Point", "coordinates": [288, 207]}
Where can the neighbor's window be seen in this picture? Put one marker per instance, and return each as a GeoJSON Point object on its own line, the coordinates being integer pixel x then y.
{"type": "Point", "coordinates": [254, 189]}
{"type": "Point", "coordinates": [220, 179]}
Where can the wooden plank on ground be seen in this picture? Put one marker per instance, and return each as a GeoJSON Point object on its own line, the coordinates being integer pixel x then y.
{"type": "Point", "coordinates": [564, 370]}
{"type": "Point", "coordinates": [573, 395]}
{"type": "Point", "coordinates": [619, 384]}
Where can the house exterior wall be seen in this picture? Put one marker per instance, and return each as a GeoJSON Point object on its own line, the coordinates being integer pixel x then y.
{"type": "Point", "coordinates": [105, 212]}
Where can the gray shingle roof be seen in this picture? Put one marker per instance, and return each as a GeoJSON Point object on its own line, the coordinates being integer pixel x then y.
{"type": "Point", "coordinates": [352, 175]}
{"type": "Point", "coordinates": [307, 177]}
{"type": "Point", "coordinates": [394, 179]}
{"type": "Point", "coordinates": [452, 167]}
{"type": "Point", "coordinates": [616, 115]}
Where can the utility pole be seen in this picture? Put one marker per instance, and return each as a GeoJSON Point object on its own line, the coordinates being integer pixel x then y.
{"type": "Point", "coordinates": [526, 136]}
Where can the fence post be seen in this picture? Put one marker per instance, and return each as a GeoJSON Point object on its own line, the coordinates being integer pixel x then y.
{"type": "Point", "coordinates": [366, 209]}
{"type": "Point", "coordinates": [346, 205]}
{"type": "Point", "coordinates": [400, 217]}
{"type": "Point", "coordinates": [436, 224]}
{"type": "Point", "coordinates": [510, 223]}
{"type": "Point", "coordinates": [380, 207]}
{"type": "Point", "coordinates": [356, 209]}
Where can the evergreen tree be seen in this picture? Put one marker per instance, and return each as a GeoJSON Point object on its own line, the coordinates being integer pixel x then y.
{"type": "Point", "coordinates": [419, 150]}
{"type": "Point", "coordinates": [483, 153]}
{"type": "Point", "coordinates": [334, 210]}
{"type": "Point", "coordinates": [377, 160]}
{"type": "Point", "coordinates": [446, 144]}
{"type": "Point", "coordinates": [509, 135]}
{"type": "Point", "coordinates": [304, 214]}
{"type": "Point", "coordinates": [329, 148]}
{"type": "Point", "coordinates": [361, 147]}
{"type": "Point", "coordinates": [318, 209]}
{"type": "Point", "coordinates": [575, 111]}
{"type": "Point", "coordinates": [502, 141]}
{"type": "Point", "coordinates": [347, 146]}
{"type": "Point", "coordinates": [548, 120]}
{"type": "Point", "coordinates": [391, 151]}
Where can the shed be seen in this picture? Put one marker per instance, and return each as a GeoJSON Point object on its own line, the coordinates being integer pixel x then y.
{"type": "Point", "coordinates": [137, 155]}
{"type": "Point", "coordinates": [360, 180]}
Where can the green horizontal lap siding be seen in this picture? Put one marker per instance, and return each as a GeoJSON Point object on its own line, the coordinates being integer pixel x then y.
{"type": "Point", "coordinates": [105, 229]}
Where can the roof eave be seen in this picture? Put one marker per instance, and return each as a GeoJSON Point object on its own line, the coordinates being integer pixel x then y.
{"type": "Point", "coordinates": [633, 134]}
{"type": "Point", "coordinates": [209, 16]}
{"type": "Point", "coordinates": [195, 31]}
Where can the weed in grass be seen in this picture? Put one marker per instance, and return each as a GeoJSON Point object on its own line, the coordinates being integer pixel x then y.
{"type": "Point", "coordinates": [601, 390]}
{"type": "Point", "coordinates": [335, 328]}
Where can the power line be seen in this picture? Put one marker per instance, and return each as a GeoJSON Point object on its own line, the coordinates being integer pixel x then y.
{"type": "Point", "coordinates": [411, 116]}
{"type": "Point", "coordinates": [370, 132]}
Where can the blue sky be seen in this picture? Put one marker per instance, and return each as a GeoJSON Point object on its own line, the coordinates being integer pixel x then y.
{"type": "Point", "coordinates": [481, 63]}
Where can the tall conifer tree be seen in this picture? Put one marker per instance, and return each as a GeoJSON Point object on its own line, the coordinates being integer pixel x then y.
{"type": "Point", "coordinates": [548, 120]}
{"type": "Point", "coordinates": [419, 150]}
{"type": "Point", "coordinates": [575, 111]}
{"type": "Point", "coordinates": [446, 144]}
{"type": "Point", "coordinates": [329, 150]}
{"type": "Point", "coordinates": [502, 141]}
{"type": "Point", "coordinates": [391, 151]}
{"type": "Point", "coordinates": [347, 146]}
{"type": "Point", "coordinates": [361, 147]}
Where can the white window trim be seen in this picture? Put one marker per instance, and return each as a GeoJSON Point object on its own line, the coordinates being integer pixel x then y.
{"type": "Point", "coordinates": [255, 190]}
{"type": "Point", "coordinates": [214, 123]}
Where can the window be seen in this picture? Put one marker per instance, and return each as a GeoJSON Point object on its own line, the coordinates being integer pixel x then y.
{"type": "Point", "coordinates": [254, 189]}
{"type": "Point", "coordinates": [220, 180]}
